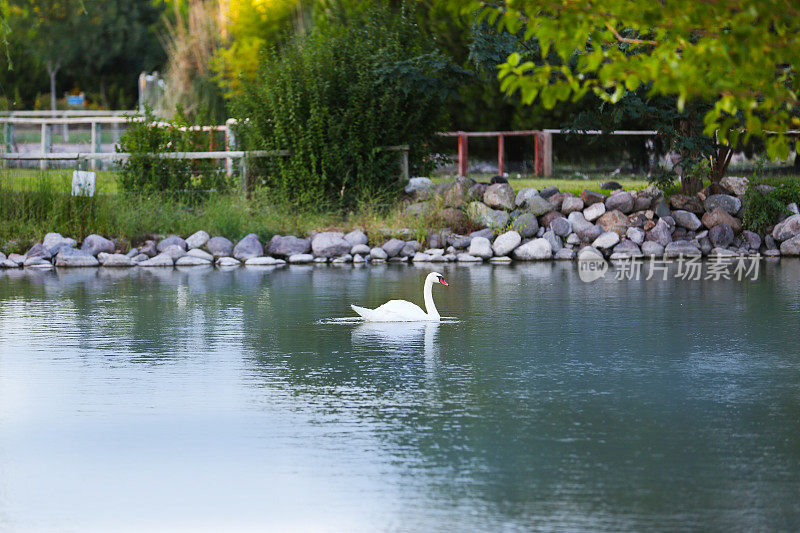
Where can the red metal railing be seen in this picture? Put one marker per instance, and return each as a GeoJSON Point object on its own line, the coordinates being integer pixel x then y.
{"type": "Point", "coordinates": [542, 143]}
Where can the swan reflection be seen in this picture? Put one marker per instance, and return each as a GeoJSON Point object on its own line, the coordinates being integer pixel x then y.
{"type": "Point", "coordinates": [402, 337]}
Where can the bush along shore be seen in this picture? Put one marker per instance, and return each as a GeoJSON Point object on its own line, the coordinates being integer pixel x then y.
{"type": "Point", "coordinates": [528, 225]}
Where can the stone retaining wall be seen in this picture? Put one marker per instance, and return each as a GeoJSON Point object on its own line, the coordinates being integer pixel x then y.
{"type": "Point", "coordinates": [529, 225]}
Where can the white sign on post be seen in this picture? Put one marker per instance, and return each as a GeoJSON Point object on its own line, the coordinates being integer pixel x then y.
{"type": "Point", "coordinates": [83, 183]}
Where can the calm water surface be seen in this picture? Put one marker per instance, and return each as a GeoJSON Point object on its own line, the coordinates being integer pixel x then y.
{"type": "Point", "coordinates": [229, 401]}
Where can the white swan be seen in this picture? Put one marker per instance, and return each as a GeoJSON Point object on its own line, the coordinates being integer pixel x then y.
{"type": "Point", "coordinates": [403, 311]}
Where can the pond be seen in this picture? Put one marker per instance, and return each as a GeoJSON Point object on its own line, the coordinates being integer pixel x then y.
{"type": "Point", "coordinates": [209, 400]}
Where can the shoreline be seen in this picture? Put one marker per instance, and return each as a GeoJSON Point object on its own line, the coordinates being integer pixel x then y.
{"type": "Point", "coordinates": [528, 225]}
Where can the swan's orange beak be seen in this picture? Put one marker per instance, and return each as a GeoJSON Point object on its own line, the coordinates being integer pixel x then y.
{"type": "Point", "coordinates": [443, 282]}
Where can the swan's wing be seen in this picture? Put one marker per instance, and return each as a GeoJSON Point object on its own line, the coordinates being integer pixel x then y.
{"type": "Point", "coordinates": [363, 311]}
{"type": "Point", "coordinates": [392, 311]}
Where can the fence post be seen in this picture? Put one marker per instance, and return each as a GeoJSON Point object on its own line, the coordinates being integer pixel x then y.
{"type": "Point", "coordinates": [230, 144]}
{"type": "Point", "coordinates": [547, 154]}
{"type": "Point", "coordinates": [463, 157]}
{"type": "Point", "coordinates": [501, 154]}
{"type": "Point", "coordinates": [404, 163]}
{"type": "Point", "coordinates": [46, 143]}
{"type": "Point", "coordinates": [244, 173]}
{"type": "Point", "coordinates": [8, 137]}
{"type": "Point", "coordinates": [97, 145]}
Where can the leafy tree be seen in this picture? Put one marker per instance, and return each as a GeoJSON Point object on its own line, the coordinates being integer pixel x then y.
{"type": "Point", "coordinates": [84, 42]}
{"type": "Point", "coordinates": [735, 62]}
{"type": "Point", "coordinates": [337, 94]}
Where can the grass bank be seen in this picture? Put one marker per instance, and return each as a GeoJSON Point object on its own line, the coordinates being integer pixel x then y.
{"type": "Point", "coordinates": [26, 216]}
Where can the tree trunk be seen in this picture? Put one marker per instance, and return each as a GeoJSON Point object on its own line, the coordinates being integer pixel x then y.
{"type": "Point", "coordinates": [721, 163]}
{"type": "Point", "coordinates": [52, 70]}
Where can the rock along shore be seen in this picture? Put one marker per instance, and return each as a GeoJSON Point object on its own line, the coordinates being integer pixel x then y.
{"type": "Point", "coordinates": [529, 225]}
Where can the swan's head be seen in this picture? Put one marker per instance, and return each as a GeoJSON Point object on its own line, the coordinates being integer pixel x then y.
{"type": "Point", "coordinates": [435, 277]}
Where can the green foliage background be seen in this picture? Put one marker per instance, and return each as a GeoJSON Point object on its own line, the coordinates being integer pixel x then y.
{"type": "Point", "coordinates": [335, 96]}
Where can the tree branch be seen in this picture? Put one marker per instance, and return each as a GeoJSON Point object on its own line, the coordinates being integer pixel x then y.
{"type": "Point", "coordinates": [622, 39]}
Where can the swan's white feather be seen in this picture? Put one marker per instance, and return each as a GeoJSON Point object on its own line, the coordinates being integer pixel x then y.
{"type": "Point", "coordinates": [393, 311]}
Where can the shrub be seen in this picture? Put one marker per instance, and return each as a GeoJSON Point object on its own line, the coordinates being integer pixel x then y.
{"type": "Point", "coordinates": [334, 96]}
{"type": "Point", "coordinates": [143, 172]}
{"type": "Point", "coordinates": [762, 209]}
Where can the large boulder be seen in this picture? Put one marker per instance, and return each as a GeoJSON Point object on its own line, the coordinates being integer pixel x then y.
{"type": "Point", "coordinates": [538, 206]}
{"type": "Point", "coordinates": [55, 241]}
{"type": "Point", "coordinates": [392, 247]}
{"type": "Point", "coordinates": [561, 226]}
{"type": "Point", "coordinates": [558, 199]}
{"type": "Point", "coordinates": [499, 196]}
{"type": "Point", "coordinates": [592, 197]}
{"type": "Point", "coordinates": [332, 244]}
{"type": "Point", "coordinates": [197, 240]}
{"type": "Point", "coordinates": [787, 229]}
{"type": "Point", "coordinates": [458, 193]}
{"type": "Point", "coordinates": [571, 205]}
{"type": "Point", "coordinates": [480, 247]}
{"type": "Point", "coordinates": [38, 250]}
{"type": "Point", "coordinates": [736, 185]}
{"type": "Point", "coordinates": [200, 254]}
{"type": "Point", "coordinates": [614, 221]}
{"type": "Point", "coordinates": [419, 187]}
{"type": "Point", "coordinates": [172, 240]}
{"type": "Point", "coordinates": [548, 218]}
{"type": "Point", "coordinates": [652, 249]}
{"type": "Point", "coordinates": [791, 246]}
{"type": "Point", "coordinates": [378, 254]}
{"type": "Point", "coordinates": [686, 219]}
{"type": "Point", "coordinates": [219, 247]}
{"type": "Point", "coordinates": [721, 235]}
{"type": "Point", "coordinates": [554, 240]}
{"type": "Point", "coordinates": [148, 248]}
{"type": "Point", "coordinates": [174, 251]}
{"type": "Point", "coordinates": [94, 244]}
{"type": "Point", "coordinates": [505, 243]}
{"type": "Point", "coordinates": [681, 202]}
{"type": "Point", "coordinates": [287, 246]}
{"type": "Point", "coordinates": [249, 247]}
{"type": "Point", "coordinates": [496, 218]}
{"type": "Point", "coordinates": [594, 211]}
{"type": "Point", "coordinates": [191, 261]}
{"type": "Point", "coordinates": [681, 249]}
{"type": "Point", "coordinates": [661, 233]}
{"type": "Point", "coordinates": [75, 258]}
{"type": "Point", "coordinates": [607, 240]}
{"type": "Point", "coordinates": [564, 254]}
{"type": "Point", "coordinates": [729, 204]}
{"type": "Point", "coordinates": [642, 202]}
{"type": "Point", "coordinates": [526, 225]}
{"type": "Point", "coordinates": [626, 249]}
{"type": "Point", "coordinates": [535, 250]}
{"type": "Point", "coordinates": [356, 237]}
{"type": "Point", "coordinates": [117, 261]}
{"type": "Point", "coordinates": [635, 234]}
{"type": "Point", "coordinates": [524, 196]}
{"type": "Point", "coordinates": [547, 192]}
{"type": "Point", "coordinates": [477, 211]}
{"type": "Point", "coordinates": [751, 240]}
{"type": "Point", "coordinates": [719, 216]}
{"type": "Point", "coordinates": [622, 201]}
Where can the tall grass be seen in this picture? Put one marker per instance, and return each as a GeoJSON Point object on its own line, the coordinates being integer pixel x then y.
{"type": "Point", "coordinates": [45, 206]}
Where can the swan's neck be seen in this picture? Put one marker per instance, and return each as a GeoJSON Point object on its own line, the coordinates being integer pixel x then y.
{"type": "Point", "coordinates": [430, 307]}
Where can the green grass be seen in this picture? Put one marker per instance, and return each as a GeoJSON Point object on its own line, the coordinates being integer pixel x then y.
{"type": "Point", "coordinates": [29, 179]}
{"type": "Point", "coordinates": [573, 185]}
